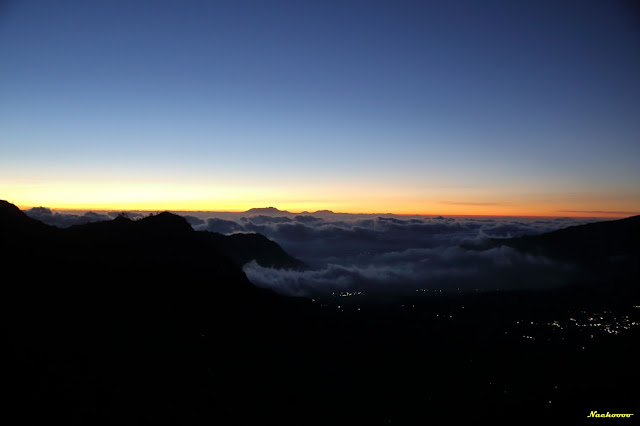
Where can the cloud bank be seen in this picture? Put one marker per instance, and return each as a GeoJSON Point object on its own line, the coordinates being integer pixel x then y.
{"type": "Point", "coordinates": [65, 220]}
{"type": "Point", "coordinates": [380, 253]}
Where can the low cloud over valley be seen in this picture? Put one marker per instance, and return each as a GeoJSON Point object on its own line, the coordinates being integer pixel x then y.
{"type": "Point", "coordinates": [378, 253]}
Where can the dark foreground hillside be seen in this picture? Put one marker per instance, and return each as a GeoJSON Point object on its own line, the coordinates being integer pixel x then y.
{"type": "Point", "coordinates": [150, 322]}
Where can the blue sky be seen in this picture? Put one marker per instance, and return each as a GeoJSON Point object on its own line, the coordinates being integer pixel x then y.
{"type": "Point", "coordinates": [356, 106]}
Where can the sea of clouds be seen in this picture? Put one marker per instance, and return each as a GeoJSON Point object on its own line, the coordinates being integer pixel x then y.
{"type": "Point", "coordinates": [376, 253]}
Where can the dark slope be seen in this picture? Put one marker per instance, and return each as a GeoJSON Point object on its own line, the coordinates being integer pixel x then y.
{"type": "Point", "coordinates": [584, 243]}
{"type": "Point", "coordinates": [12, 216]}
{"type": "Point", "coordinates": [243, 248]}
{"type": "Point", "coordinates": [22, 239]}
{"type": "Point", "coordinates": [604, 256]}
{"type": "Point", "coordinates": [156, 261]}
{"type": "Point", "coordinates": [158, 255]}
{"type": "Point", "coordinates": [14, 223]}
{"type": "Point", "coordinates": [130, 322]}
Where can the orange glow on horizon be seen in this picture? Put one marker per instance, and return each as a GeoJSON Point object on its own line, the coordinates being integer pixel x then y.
{"type": "Point", "coordinates": [292, 208]}
{"type": "Point", "coordinates": [349, 198]}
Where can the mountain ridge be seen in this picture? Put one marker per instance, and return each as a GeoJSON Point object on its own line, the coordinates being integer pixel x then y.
{"type": "Point", "coordinates": [586, 243]}
{"type": "Point", "coordinates": [266, 252]}
{"type": "Point", "coordinates": [121, 318]}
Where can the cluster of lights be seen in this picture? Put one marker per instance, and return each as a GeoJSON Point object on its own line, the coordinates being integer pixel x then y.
{"type": "Point", "coordinates": [349, 293]}
{"type": "Point", "coordinates": [425, 290]}
{"type": "Point", "coordinates": [611, 326]}
{"type": "Point", "coordinates": [602, 322]}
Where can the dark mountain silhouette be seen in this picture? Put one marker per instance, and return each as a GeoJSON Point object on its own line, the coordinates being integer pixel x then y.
{"type": "Point", "coordinates": [599, 241]}
{"type": "Point", "coordinates": [12, 219]}
{"type": "Point", "coordinates": [601, 254]}
{"type": "Point", "coordinates": [121, 321]}
{"type": "Point", "coordinates": [266, 211]}
{"type": "Point", "coordinates": [243, 248]}
{"type": "Point", "coordinates": [274, 211]}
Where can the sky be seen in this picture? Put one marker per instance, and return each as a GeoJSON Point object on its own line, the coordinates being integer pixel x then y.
{"type": "Point", "coordinates": [429, 107]}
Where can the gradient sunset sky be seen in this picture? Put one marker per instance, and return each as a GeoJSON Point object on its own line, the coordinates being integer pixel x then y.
{"type": "Point", "coordinates": [427, 107]}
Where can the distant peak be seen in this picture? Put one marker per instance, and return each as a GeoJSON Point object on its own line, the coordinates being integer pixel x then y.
{"type": "Point", "coordinates": [168, 221]}
{"type": "Point", "coordinates": [265, 210]}
{"type": "Point", "coordinates": [121, 219]}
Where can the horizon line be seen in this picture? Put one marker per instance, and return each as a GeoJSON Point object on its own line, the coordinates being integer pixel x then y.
{"type": "Point", "coordinates": [603, 213]}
